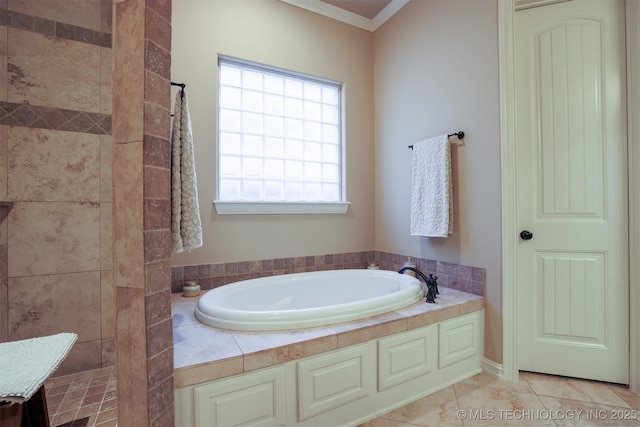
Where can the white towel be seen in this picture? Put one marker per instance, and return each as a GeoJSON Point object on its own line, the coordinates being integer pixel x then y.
{"type": "Point", "coordinates": [186, 228]}
{"type": "Point", "coordinates": [431, 188]}
{"type": "Point", "coordinates": [26, 364]}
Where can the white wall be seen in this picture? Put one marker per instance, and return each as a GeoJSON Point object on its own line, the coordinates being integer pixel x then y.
{"type": "Point", "coordinates": [278, 34]}
{"type": "Point", "coordinates": [436, 71]}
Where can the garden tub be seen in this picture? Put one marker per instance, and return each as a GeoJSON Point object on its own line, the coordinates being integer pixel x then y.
{"type": "Point", "coordinates": [303, 300]}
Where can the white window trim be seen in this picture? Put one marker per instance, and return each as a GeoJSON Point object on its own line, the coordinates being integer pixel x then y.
{"type": "Point", "coordinates": [224, 207]}
{"type": "Point", "coordinates": [248, 207]}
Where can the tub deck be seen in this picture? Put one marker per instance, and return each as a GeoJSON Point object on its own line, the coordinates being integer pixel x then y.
{"type": "Point", "coordinates": [204, 353]}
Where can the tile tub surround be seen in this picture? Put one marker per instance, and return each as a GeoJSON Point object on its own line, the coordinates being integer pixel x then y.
{"type": "Point", "coordinates": [203, 353]}
{"type": "Point", "coordinates": [455, 276]}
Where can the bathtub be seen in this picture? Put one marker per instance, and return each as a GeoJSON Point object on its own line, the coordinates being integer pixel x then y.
{"type": "Point", "coordinates": [303, 300]}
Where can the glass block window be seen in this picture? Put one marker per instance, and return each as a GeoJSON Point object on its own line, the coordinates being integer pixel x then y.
{"type": "Point", "coordinates": [279, 135]}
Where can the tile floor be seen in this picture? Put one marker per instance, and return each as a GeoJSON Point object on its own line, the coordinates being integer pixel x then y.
{"type": "Point", "coordinates": [86, 399]}
{"type": "Point", "coordinates": [89, 399]}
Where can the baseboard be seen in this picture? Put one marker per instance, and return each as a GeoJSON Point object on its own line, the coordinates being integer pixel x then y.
{"type": "Point", "coordinates": [492, 368]}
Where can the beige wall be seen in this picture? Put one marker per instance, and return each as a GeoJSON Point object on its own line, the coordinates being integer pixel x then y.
{"type": "Point", "coordinates": [431, 69]}
{"type": "Point", "coordinates": [436, 71]}
{"type": "Point", "coordinates": [278, 34]}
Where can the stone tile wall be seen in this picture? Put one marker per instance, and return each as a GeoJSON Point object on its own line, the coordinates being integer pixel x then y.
{"type": "Point", "coordinates": [56, 245]}
{"type": "Point", "coordinates": [142, 235]}
{"type": "Point", "coordinates": [456, 276]}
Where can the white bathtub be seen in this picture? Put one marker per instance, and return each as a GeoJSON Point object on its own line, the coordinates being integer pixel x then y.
{"type": "Point", "coordinates": [303, 300]}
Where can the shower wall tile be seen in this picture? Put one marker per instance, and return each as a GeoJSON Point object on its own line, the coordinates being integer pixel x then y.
{"type": "Point", "coordinates": [129, 80]}
{"type": "Point", "coordinates": [50, 304]}
{"type": "Point", "coordinates": [49, 165]}
{"type": "Point", "coordinates": [106, 15]}
{"type": "Point", "coordinates": [128, 220]}
{"type": "Point", "coordinates": [107, 305]}
{"type": "Point", "coordinates": [4, 315]}
{"type": "Point", "coordinates": [3, 63]}
{"type": "Point", "coordinates": [3, 162]}
{"type": "Point", "coordinates": [53, 237]}
{"type": "Point", "coordinates": [106, 236]}
{"type": "Point", "coordinates": [84, 356]}
{"type": "Point", "coordinates": [158, 29]}
{"type": "Point", "coordinates": [82, 13]}
{"type": "Point", "coordinates": [106, 80]}
{"type": "Point", "coordinates": [132, 388]}
{"type": "Point", "coordinates": [4, 241]}
{"type": "Point", "coordinates": [106, 162]}
{"type": "Point", "coordinates": [109, 353]}
{"type": "Point", "coordinates": [76, 83]}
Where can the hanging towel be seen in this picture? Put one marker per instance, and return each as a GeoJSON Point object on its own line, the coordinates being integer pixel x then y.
{"type": "Point", "coordinates": [26, 364]}
{"type": "Point", "coordinates": [186, 228]}
{"type": "Point", "coordinates": [431, 188]}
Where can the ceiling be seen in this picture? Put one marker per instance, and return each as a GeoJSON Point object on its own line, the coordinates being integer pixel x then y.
{"type": "Point", "coordinates": [367, 8]}
{"type": "Point", "coordinates": [366, 14]}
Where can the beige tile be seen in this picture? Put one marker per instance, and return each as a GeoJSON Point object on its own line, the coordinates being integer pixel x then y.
{"type": "Point", "coordinates": [183, 310]}
{"type": "Point", "coordinates": [106, 236]}
{"type": "Point", "coordinates": [128, 220]}
{"type": "Point", "coordinates": [286, 353]}
{"type": "Point", "coordinates": [195, 344]}
{"type": "Point", "coordinates": [487, 406]}
{"type": "Point", "coordinates": [211, 371]}
{"type": "Point", "coordinates": [128, 77]}
{"type": "Point", "coordinates": [109, 353]}
{"type": "Point", "coordinates": [53, 237]}
{"type": "Point", "coordinates": [431, 317]}
{"type": "Point", "coordinates": [3, 63]}
{"type": "Point", "coordinates": [4, 335]}
{"type": "Point", "coordinates": [471, 306]}
{"type": "Point", "coordinates": [50, 165]}
{"type": "Point", "coordinates": [632, 399]}
{"type": "Point", "coordinates": [383, 422]}
{"type": "Point", "coordinates": [83, 356]}
{"type": "Point", "coordinates": [40, 305]}
{"type": "Point", "coordinates": [3, 161]}
{"type": "Point", "coordinates": [106, 80]}
{"type": "Point", "coordinates": [567, 412]}
{"type": "Point", "coordinates": [372, 332]}
{"type": "Point", "coordinates": [107, 304]}
{"type": "Point", "coordinates": [82, 13]}
{"type": "Point", "coordinates": [486, 380]}
{"type": "Point", "coordinates": [253, 342]}
{"type": "Point", "coordinates": [572, 388]}
{"type": "Point", "coordinates": [76, 83]}
{"type": "Point", "coordinates": [131, 340]}
{"type": "Point", "coordinates": [437, 409]}
{"type": "Point", "coordinates": [106, 166]}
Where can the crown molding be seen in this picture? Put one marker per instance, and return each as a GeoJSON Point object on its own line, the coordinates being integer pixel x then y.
{"type": "Point", "coordinates": [331, 11]}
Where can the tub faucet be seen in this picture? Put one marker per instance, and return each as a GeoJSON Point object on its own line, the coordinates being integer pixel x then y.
{"type": "Point", "coordinates": [432, 290]}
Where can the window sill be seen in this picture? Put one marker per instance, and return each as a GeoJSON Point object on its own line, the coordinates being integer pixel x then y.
{"type": "Point", "coordinates": [248, 208]}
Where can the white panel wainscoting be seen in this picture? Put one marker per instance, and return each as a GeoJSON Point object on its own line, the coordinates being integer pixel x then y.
{"type": "Point", "coordinates": [347, 386]}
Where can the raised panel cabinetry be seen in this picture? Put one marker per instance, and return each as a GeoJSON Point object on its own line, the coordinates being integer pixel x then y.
{"type": "Point", "coordinates": [347, 386]}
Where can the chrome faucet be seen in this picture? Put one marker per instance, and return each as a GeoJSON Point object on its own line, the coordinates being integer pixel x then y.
{"type": "Point", "coordinates": [432, 286]}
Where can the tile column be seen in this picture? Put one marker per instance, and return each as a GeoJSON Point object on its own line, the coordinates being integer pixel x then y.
{"type": "Point", "coordinates": [142, 214]}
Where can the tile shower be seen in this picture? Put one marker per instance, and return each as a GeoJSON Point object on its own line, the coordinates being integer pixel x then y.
{"type": "Point", "coordinates": [56, 246]}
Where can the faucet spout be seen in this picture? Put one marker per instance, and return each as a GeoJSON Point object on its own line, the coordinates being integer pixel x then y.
{"type": "Point", "coordinates": [431, 289]}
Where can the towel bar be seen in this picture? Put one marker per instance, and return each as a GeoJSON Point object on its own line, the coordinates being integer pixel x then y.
{"type": "Point", "coordinates": [459, 134]}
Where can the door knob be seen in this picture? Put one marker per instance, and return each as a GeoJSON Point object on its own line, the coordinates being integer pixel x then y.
{"type": "Point", "coordinates": [526, 235]}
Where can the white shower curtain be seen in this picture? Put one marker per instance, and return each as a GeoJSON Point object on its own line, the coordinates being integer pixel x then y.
{"type": "Point", "coordinates": [186, 228]}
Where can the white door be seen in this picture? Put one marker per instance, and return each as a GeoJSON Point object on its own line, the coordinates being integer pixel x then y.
{"type": "Point", "coordinates": [571, 145]}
